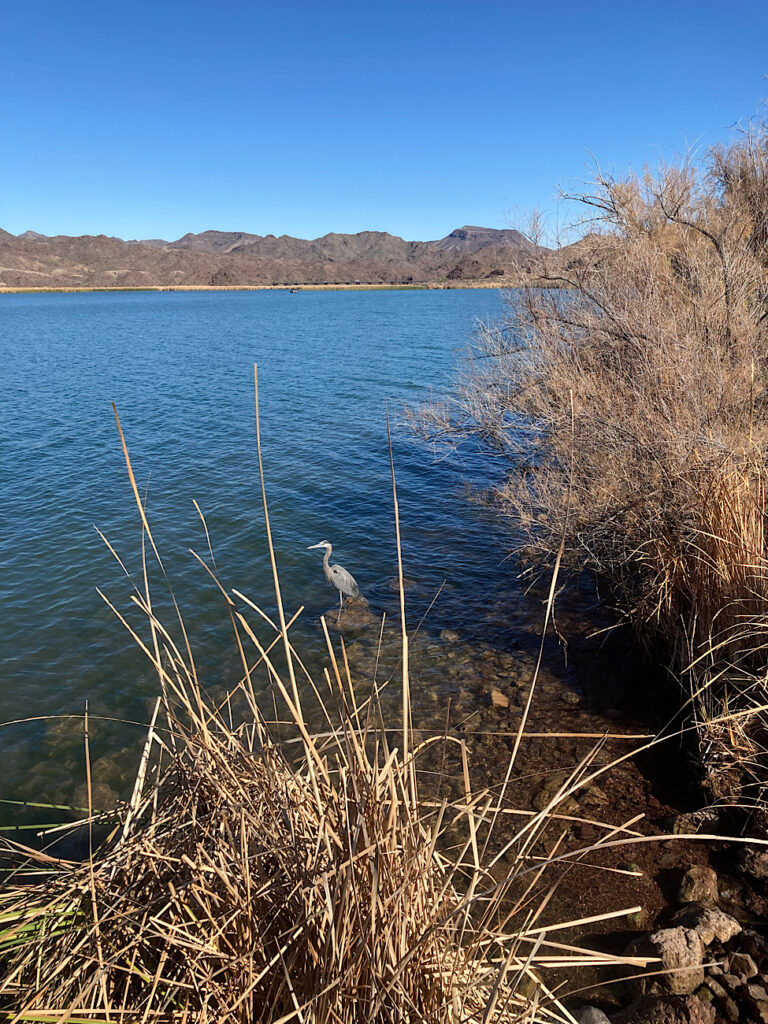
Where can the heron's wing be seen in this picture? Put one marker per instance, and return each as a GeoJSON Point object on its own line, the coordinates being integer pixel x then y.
{"type": "Point", "coordinates": [344, 581]}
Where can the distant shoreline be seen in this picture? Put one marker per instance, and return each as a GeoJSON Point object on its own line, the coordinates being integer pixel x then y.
{"type": "Point", "coordinates": [427, 286]}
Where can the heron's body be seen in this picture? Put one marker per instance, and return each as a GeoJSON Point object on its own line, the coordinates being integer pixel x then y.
{"type": "Point", "coordinates": [337, 575]}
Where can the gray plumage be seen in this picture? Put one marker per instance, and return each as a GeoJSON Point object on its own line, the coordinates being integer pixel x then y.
{"type": "Point", "coordinates": [337, 575]}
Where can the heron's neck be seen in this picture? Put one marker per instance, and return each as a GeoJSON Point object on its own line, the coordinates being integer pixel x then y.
{"type": "Point", "coordinates": [327, 555]}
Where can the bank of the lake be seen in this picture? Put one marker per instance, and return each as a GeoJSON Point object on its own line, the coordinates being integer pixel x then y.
{"type": "Point", "coordinates": [495, 284]}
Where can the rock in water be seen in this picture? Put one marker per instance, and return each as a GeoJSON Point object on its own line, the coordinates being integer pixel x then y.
{"type": "Point", "coordinates": [355, 614]}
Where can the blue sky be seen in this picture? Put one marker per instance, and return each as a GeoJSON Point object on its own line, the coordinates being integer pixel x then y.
{"type": "Point", "coordinates": [150, 119]}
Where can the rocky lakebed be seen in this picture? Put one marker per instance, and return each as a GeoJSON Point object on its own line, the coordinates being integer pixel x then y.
{"type": "Point", "coordinates": [704, 903]}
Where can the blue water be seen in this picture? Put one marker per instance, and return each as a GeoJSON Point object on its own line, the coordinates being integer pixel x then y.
{"type": "Point", "coordinates": [179, 367]}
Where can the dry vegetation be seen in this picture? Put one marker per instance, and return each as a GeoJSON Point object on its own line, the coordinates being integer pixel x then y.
{"type": "Point", "coordinates": [255, 878]}
{"type": "Point", "coordinates": [633, 407]}
{"type": "Point", "coordinates": [250, 879]}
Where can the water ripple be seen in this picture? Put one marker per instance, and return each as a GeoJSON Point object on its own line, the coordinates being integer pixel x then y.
{"type": "Point", "coordinates": [179, 367]}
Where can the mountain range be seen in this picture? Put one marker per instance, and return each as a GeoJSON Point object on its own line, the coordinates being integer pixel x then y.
{"type": "Point", "coordinates": [232, 258]}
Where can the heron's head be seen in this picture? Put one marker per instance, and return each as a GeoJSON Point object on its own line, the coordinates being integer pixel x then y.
{"type": "Point", "coordinates": [322, 544]}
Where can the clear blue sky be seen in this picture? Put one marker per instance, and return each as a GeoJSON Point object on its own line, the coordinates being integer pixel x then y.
{"type": "Point", "coordinates": [150, 119]}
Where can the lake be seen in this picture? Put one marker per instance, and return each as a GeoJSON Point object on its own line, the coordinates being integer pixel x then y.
{"type": "Point", "coordinates": [179, 367]}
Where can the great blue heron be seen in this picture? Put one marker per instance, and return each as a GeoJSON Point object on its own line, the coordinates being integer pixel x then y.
{"type": "Point", "coordinates": [337, 575]}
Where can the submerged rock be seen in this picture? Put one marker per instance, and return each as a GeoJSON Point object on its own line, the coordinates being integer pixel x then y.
{"type": "Point", "coordinates": [354, 614]}
{"type": "Point", "coordinates": [103, 796]}
{"type": "Point", "coordinates": [394, 583]}
{"type": "Point", "coordinates": [499, 699]}
{"type": "Point", "coordinates": [547, 793]}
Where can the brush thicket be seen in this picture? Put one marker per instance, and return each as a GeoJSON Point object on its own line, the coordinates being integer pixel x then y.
{"type": "Point", "coordinates": [633, 406]}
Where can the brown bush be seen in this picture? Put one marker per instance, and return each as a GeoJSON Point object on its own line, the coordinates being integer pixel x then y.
{"type": "Point", "coordinates": [630, 394]}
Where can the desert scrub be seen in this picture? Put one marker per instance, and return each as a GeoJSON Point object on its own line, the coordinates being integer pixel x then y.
{"type": "Point", "coordinates": [630, 398]}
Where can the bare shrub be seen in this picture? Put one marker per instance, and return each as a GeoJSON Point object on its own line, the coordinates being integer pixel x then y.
{"type": "Point", "coordinates": [630, 394]}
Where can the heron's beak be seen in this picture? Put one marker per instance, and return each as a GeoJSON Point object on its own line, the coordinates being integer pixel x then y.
{"type": "Point", "coordinates": [315, 546]}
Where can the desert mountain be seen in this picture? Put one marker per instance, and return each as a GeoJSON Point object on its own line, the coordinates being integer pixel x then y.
{"type": "Point", "coordinates": [238, 258]}
{"type": "Point", "coordinates": [471, 239]}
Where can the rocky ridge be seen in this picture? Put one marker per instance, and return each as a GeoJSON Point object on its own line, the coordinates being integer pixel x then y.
{"type": "Point", "coordinates": [236, 258]}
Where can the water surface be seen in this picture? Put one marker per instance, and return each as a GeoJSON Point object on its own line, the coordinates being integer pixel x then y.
{"type": "Point", "coordinates": [179, 368]}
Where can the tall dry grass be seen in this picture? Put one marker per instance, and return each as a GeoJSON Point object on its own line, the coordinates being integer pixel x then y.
{"type": "Point", "coordinates": [257, 878]}
{"type": "Point", "coordinates": [630, 398]}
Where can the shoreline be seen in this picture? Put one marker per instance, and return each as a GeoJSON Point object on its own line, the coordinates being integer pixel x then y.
{"type": "Point", "coordinates": [426, 286]}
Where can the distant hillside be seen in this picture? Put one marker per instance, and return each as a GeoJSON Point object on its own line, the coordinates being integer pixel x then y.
{"type": "Point", "coordinates": [238, 258]}
{"type": "Point", "coordinates": [470, 239]}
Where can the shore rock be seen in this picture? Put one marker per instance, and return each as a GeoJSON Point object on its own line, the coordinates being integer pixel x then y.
{"type": "Point", "coordinates": [694, 821]}
{"type": "Point", "coordinates": [593, 796]}
{"type": "Point", "coordinates": [699, 885]}
{"type": "Point", "coordinates": [708, 923]}
{"type": "Point", "coordinates": [755, 998]}
{"type": "Point", "coordinates": [731, 983]}
{"type": "Point", "coordinates": [667, 1009]}
{"type": "Point", "coordinates": [680, 951]}
{"type": "Point", "coordinates": [754, 861]}
{"type": "Point", "coordinates": [725, 1004]}
{"type": "Point", "coordinates": [591, 1015]}
{"type": "Point", "coordinates": [742, 965]}
{"type": "Point", "coordinates": [753, 943]}
{"type": "Point", "coordinates": [745, 999]}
